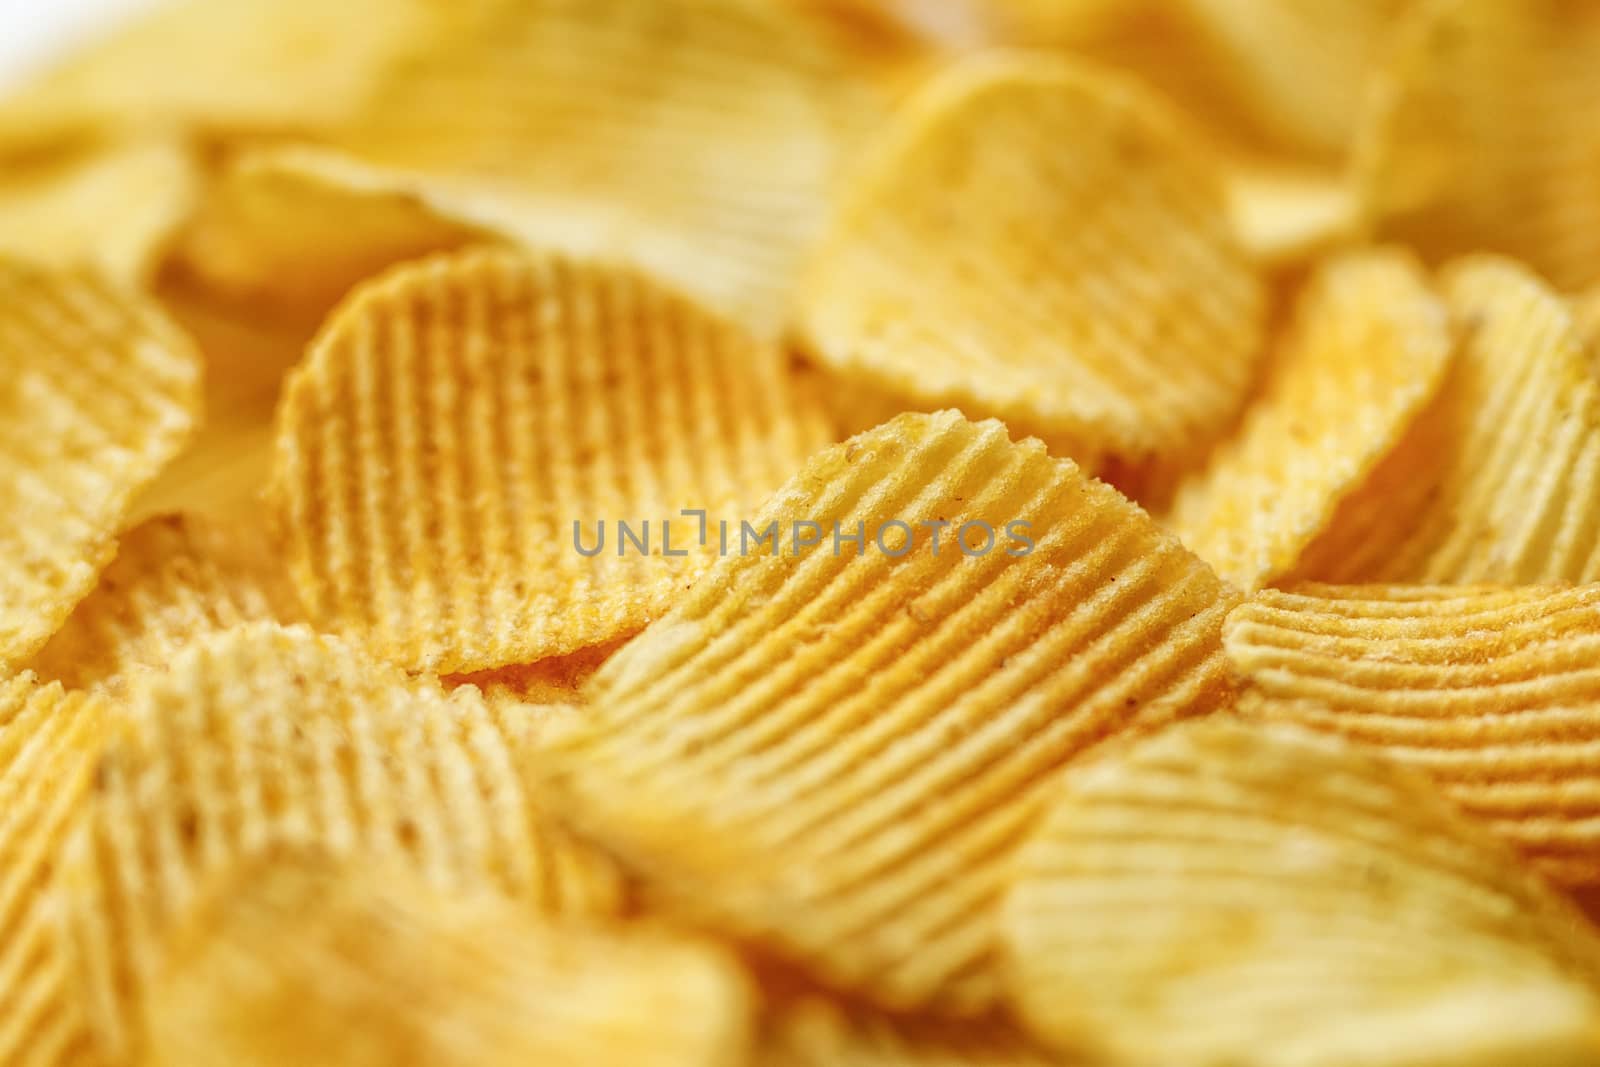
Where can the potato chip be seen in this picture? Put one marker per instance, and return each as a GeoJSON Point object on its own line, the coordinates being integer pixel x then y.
{"type": "Point", "coordinates": [266, 735]}
{"type": "Point", "coordinates": [457, 452]}
{"type": "Point", "coordinates": [1497, 481]}
{"type": "Point", "coordinates": [1484, 136]}
{"type": "Point", "coordinates": [175, 578]}
{"type": "Point", "coordinates": [1238, 894]}
{"type": "Point", "coordinates": [1093, 297]}
{"type": "Point", "coordinates": [1488, 691]}
{"type": "Point", "coordinates": [1368, 348]}
{"type": "Point", "coordinates": [98, 394]}
{"type": "Point", "coordinates": [818, 1033]}
{"type": "Point", "coordinates": [1282, 215]}
{"type": "Point", "coordinates": [296, 962]}
{"type": "Point", "coordinates": [829, 749]}
{"type": "Point", "coordinates": [1586, 313]}
{"type": "Point", "coordinates": [696, 139]}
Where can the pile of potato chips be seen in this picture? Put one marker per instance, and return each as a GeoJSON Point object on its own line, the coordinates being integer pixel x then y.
{"type": "Point", "coordinates": [792, 533]}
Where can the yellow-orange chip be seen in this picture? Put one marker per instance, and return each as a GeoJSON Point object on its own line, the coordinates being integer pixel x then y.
{"type": "Point", "coordinates": [175, 578]}
{"type": "Point", "coordinates": [457, 436]}
{"type": "Point", "coordinates": [1253, 895]}
{"type": "Point", "coordinates": [265, 735]}
{"type": "Point", "coordinates": [1490, 692]}
{"type": "Point", "coordinates": [1368, 348]}
{"type": "Point", "coordinates": [97, 394]}
{"type": "Point", "coordinates": [1499, 478]}
{"type": "Point", "coordinates": [1484, 136]}
{"type": "Point", "coordinates": [830, 752]}
{"type": "Point", "coordinates": [818, 1033]}
{"type": "Point", "coordinates": [1094, 297]}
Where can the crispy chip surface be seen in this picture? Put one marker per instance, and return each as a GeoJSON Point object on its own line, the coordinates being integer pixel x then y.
{"type": "Point", "coordinates": [1498, 479]}
{"type": "Point", "coordinates": [266, 735]}
{"type": "Point", "coordinates": [1368, 348]}
{"type": "Point", "coordinates": [303, 962]}
{"type": "Point", "coordinates": [1094, 297]}
{"type": "Point", "coordinates": [464, 424]}
{"type": "Point", "coordinates": [818, 1033]}
{"type": "Point", "coordinates": [98, 393]}
{"type": "Point", "coordinates": [1491, 692]}
{"type": "Point", "coordinates": [1227, 893]}
{"type": "Point", "coordinates": [833, 755]}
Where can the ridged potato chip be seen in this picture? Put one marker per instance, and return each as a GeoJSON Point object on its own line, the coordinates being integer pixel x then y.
{"type": "Point", "coordinates": [462, 428]}
{"type": "Point", "coordinates": [1093, 297]}
{"type": "Point", "coordinates": [298, 961]}
{"type": "Point", "coordinates": [819, 1033]}
{"type": "Point", "coordinates": [267, 735]}
{"type": "Point", "coordinates": [831, 752]}
{"type": "Point", "coordinates": [698, 139]}
{"type": "Point", "coordinates": [1483, 135]}
{"type": "Point", "coordinates": [1490, 692]}
{"type": "Point", "coordinates": [1262, 896]}
{"type": "Point", "coordinates": [175, 578]}
{"type": "Point", "coordinates": [1367, 349]}
{"type": "Point", "coordinates": [99, 393]}
{"type": "Point", "coordinates": [1497, 481]}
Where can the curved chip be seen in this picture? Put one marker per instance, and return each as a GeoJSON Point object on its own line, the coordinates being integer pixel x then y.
{"type": "Point", "coordinates": [820, 1033]}
{"type": "Point", "coordinates": [1484, 136]}
{"type": "Point", "coordinates": [266, 735]}
{"type": "Point", "coordinates": [1257, 896]}
{"type": "Point", "coordinates": [830, 748]}
{"type": "Point", "coordinates": [1093, 297]}
{"type": "Point", "coordinates": [1368, 348]}
{"type": "Point", "coordinates": [456, 454]}
{"type": "Point", "coordinates": [1499, 478]}
{"type": "Point", "coordinates": [295, 961]}
{"type": "Point", "coordinates": [98, 393]}
{"type": "Point", "coordinates": [175, 578]}
{"type": "Point", "coordinates": [1490, 692]}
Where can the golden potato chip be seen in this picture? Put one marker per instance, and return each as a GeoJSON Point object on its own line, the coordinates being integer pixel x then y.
{"type": "Point", "coordinates": [98, 393]}
{"type": "Point", "coordinates": [1093, 297]}
{"type": "Point", "coordinates": [1227, 893]}
{"type": "Point", "coordinates": [297, 962]}
{"type": "Point", "coordinates": [1490, 692]}
{"type": "Point", "coordinates": [1484, 136]}
{"type": "Point", "coordinates": [830, 747]}
{"type": "Point", "coordinates": [818, 1033]}
{"type": "Point", "coordinates": [1497, 481]}
{"type": "Point", "coordinates": [265, 735]}
{"type": "Point", "coordinates": [459, 452]}
{"type": "Point", "coordinates": [1368, 348]}
{"type": "Point", "coordinates": [175, 578]}
{"type": "Point", "coordinates": [696, 139]}
{"type": "Point", "coordinates": [114, 208]}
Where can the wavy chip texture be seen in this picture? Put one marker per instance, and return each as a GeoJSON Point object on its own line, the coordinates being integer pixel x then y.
{"type": "Point", "coordinates": [1491, 692]}
{"type": "Point", "coordinates": [1368, 348]}
{"type": "Point", "coordinates": [1498, 480]}
{"type": "Point", "coordinates": [1228, 893]}
{"type": "Point", "coordinates": [1093, 297]}
{"type": "Point", "coordinates": [831, 752]}
{"type": "Point", "coordinates": [98, 393]}
{"type": "Point", "coordinates": [466, 431]}
{"type": "Point", "coordinates": [818, 1033]}
{"type": "Point", "coordinates": [267, 735]}
{"type": "Point", "coordinates": [1483, 135]}
{"type": "Point", "coordinates": [299, 961]}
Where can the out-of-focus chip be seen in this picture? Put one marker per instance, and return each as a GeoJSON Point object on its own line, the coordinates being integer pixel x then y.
{"type": "Point", "coordinates": [175, 578]}
{"type": "Point", "coordinates": [459, 449]}
{"type": "Point", "coordinates": [697, 139]}
{"type": "Point", "coordinates": [113, 208]}
{"type": "Point", "coordinates": [1094, 297]}
{"type": "Point", "coordinates": [1283, 214]}
{"type": "Point", "coordinates": [267, 735]}
{"type": "Point", "coordinates": [97, 394]}
{"type": "Point", "coordinates": [1368, 348]}
{"type": "Point", "coordinates": [1260, 896]}
{"type": "Point", "coordinates": [1498, 481]}
{"type": "Point", "coordinates": [1489, 692]}
{"type": "Point", "coordinates": [819, 1033]}
{"type": "Point", "coordinates": [296, 960]}
{"type": "Point", "coordinates": [47, 748]}
{"type": "Point", "coordinates": [829, 749]}
{"type": "Point", "coordinates": [1586, 314]}
{"type": "Point", "coordinates": [1484, 136]}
